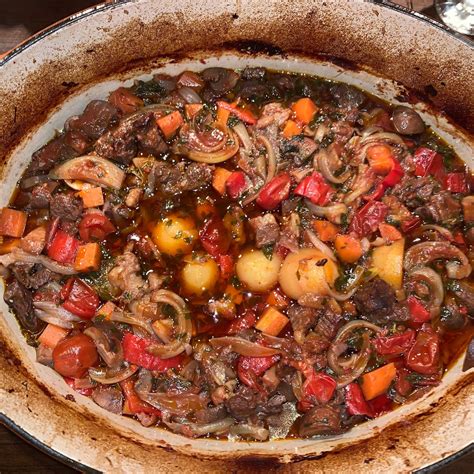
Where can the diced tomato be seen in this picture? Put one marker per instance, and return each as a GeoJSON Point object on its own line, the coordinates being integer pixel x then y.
{"type": "Point", "coordinates": [226, 266]}
{"type": "Point", "coordinates": [79, 298]}
{"type": "Point", "coordinates": [429, 162]}
{"type": "Point", "coordinates": [368, 218]}
{"type": "Point", "coordinates": [402, 384]}
{"type": "Point", "coordinates": [63, 247]}
{"type": "Point", "coordinates": [87, 392]}
{"type": "Point", "coordinates": [274, 192]}
{"type": "Point", "coordinates": [394, 176]}
{"type": "Point", "coordinates": [457, 183]}
{"type": "Point", "coordinates": [424, 355]}
{"type": "Point", "coordinates": [379, 405]}
{"type": "Point", "coordinates": [246, 321]}
{"type": "Point", "coordinates": [134, 403]}
{"type": "Point", "coordinates": [394, 345]}
{"type": "Point", "coordinates": [315, 188]}
{"type": "Point", "coordinates": [418, 313]}
{"type": "Point", "coordinates": [95, 226]}
{"type": "Point", "coordinates": [135, 352]}
{"type": "Point", "coordinates": [214, 237]}
{"type": "Point", "coordinates": [250, 368]}
{"type": "Point", "coordinates": [236, 184]}
{"type": "Point", "coordinates": [355, 401]}
{"type": "Point", "coordinates": [320, 386]}
{"type": "Point", "coordinates": [410, 225]}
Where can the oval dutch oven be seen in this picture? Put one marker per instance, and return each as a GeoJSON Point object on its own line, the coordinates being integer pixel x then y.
{"type": "Point", "coordinates": [55, 73]}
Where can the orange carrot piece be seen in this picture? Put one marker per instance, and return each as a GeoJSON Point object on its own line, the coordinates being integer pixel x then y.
{"type": "Point", "coordinates": [92, 197]}
{"type": "Point", "coordinates": [9, 245]}
{"type": "Point", "coordinates": [348, 248]}
{"type": "Point", "coordinates": [304, 109]}
{"type": "Point", "coordinates": [222, 118]}
{"type": "Point", "coordinates": [106, 310]}
{"type": "Point", "coordinates": [12, 222]}
{"type": "Point", "coordinates": [389, 232]}
{"type": "Point", "coordinates": [245, 115]}
{"type": "Point", "coordinates": [192, 109]}
{"type": "Point", "coordinates": [52, 335]}
{"type": "Point", "coordinates": [326, 230]}
{"type": "Point", "coordinates": [234, 294]}
{"type": "Point", "coordinates": [291, 129]}
{"type": "Point", "coordinates": [378, 381]}
{"type": "Point", "coordinates": [277, 299]}
{"type": "Point", "coordinates": [271, 322]}
{"type": "Point", "coordinates": [380, 158]}
{"type": "Point", "coordinates": [219, 179]}
{"type": "Point", "coordinates": [170, 123]}
{"type": "Point", "coordinates": [205, 208]}
{"type": "Point", "coordinates": [88, 257]}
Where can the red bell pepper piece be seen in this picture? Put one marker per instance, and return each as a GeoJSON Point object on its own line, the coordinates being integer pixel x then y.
{"type": "Point", "coordinates": [368, 218]}
{"type": "Point", "coordinates": [379, 405]}
{"type": "Point", "coordinates": [63, 247]}
{"type": "Point", "coordinates": [457, 183]}
{"type": "Point", "coordinates": [87, 392]}
{"type": "Point", "coordinates": [429, 162]}
{"type": "Point", "coordinates": [134, 402]}
{"type": "Point", "coordinates": [410, 225]}
{"type": "Point", "coordinates": [320, 386]}
{"type": "Point", "coordinates": [419, 314]}
{"type": "Point", "coordinates": [355, 401]}
{"type": "Point", "coordinates": [250, 368]}
{"type": "Point", "coordinates": [243, 114]}
{"type": "Point", "coordinates": [315, 188]}
{"type": "Point", "coordinates": [236, 184]}
{"type": "Point", "coordinates": [134, 351]}
{"type": "Point", "coordinates": [394, 176]}
{"type": "Point", "coordinates": [95, 226]}
{"type": "Point", "coordinates": [79, 298]}
{"type": "Point", "coordinates": [394, 345]}
{"type": "Point", "coordinates": [424, 355]}
{"type": "Point", "coordinates": [274, 192]}
{"type": "Point", "coordinates": [214, 237]}
{"type": "Point", "coordinates": [402, 384]}
{"type": "Point", "coordinates": [226, 266]}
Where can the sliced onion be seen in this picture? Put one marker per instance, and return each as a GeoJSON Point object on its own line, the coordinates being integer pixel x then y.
{"type": "Point", "coordinates": [243, 347]}
{"type": "Point", "coordinates": [119, 316]}
{"type": "Point", "coordinates": [108, 376]}
{"type": "Point", "coordinates": [92, 169]}
{"type": "Point", "coordinates": [383, 137]}
{"type": "Point", "coordinates": [182, 328]}
{"type": "Point", "coordinates": [447, 234]}
{"type": "Point", "coordinates": [433, 280]}
{"type": "Point", "coordinates": [340, 296]}
{"type": "Point", "coordinates": [426, 252]}
{"type": "Point", "coordinates": [196, 430]}
{"type": "Point", "coordinates": [323, 163]}
{"type": "Point", "coordinates": [241, 131]}
{"type": "Point", "coordinates": [109, 348]}
{"type": "Point", "coordinates": [19, 255]}
{"type": "Point", "coordinates": [50, 312]}
{"type": "Point", "coordinates": [189, 95]}
{"type": "Point", "coordinates": [321, 246]}
{"type": "Point", "coordinates": [32, 181]}
{"type": "Point", "coordinates": [259, 433]}
{"type": "Point", "coordinates": [332, 213]}
{"type": "Point", "coordinates": [271, 157]}
{"type": "Point", "coordinates": [176, 404]}
{"type": "Point", "coordinates": [50, 319]}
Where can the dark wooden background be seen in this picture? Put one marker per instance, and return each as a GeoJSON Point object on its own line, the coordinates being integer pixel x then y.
{"type": "Point", "coordinates": [19, 19]}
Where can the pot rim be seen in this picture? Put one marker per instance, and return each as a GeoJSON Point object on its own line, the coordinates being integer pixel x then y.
{"type": "Point", "coordinates": [111, 5]}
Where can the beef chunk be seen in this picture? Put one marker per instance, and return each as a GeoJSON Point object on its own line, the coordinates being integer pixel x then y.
{"type": "Point", "coordinates": [244, 403]}
{"type": "Point", "coordinates": [150, 142]}
{"type": "Point", "coordinates": [66, 206]}
{"type": "Point", "coordinates": [174, 179]}
{"type": "Point", "coordinates": [376, 302]}
{"type": "Point", "coordinates": [41, 195]}
{"type": "Point", "coordinates": [315, 343]}
{"type": "Point", "coordinates": [253, 73]}
{"type": "Point", "coordinates": [209, 415]}
{"type": "Point", "coordinates": [415, 191]}
{"type": "Point", "coordinates": [33, 276]}
{"type": "Point", "coordinates": [464, 293]}
{"type": "Point", "coordinates": [266, 228]}
{"type": "Point", "coordinates": [121, 143]}
{"type": "Point", "coordinates": [302, 319]}
{"type": "Point", "coordinates": [320, 420]}
{"type": "Point", "coordinates": [347, 96]}
{"type": "Point", "coordinates": [44, 159]}
{"type": "Point", "coordinates": [109, 398]}
{"type": "Point", "coordinates": [451, 316]}
{"type": "Point", "coordinates": [97, 117]}
{"type": "Point", "coordinates": [21, 300]}
{"type": "Point", "coordinates": [298, 149]}
{"type": "Point", "coordinates": [328, 323]}
{"type": "Point", "coordinates": [273, 405]}
{"type": "Point", "coordinates": [442, 208]}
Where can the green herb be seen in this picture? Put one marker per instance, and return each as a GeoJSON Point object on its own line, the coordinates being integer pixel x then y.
{"type": "Point", "coordinates": [452, 285]}
{"type": "Point", "coordinates": [178, 234]}
{"type": "Point", "coordinates": [235, 282]}
{"type": "Point", "coordinates": [268, 251]}
{"type": "Point", "coordinates": [232, 121]}
{"type": "Point", "coordinates": [169, 311]}
{"type": "Point", "coordinates": [344, 221]}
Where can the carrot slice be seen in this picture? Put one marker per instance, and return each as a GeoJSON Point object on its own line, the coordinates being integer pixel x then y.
{"type": "Point", "coordinates": [291, 129]}
{"type": "Point", "coordinates": [192, 109]}
{"type": "Point", "coordinates": [277, 299]}
{"type": "Point", "coordinates": [92, 197]}
{"type": "Point", "coordinates": [271, 322]}
{"type": "Point", "coordinates": [12, 222]}
{"type": "Point", "coordinates": [52, 335]}
{"type": "Point", "coordinates": [170, 123]}
{"type": "Point", "coordinates": [88, 257]}
{"type": "Point", "coordinates": [9, 245]}
{"type": "Point", "coordinates": [219, 179]}
{"type": "Point", "coordinates": [106, 310]}
{"type": "Point", "coordinates": [326, 230]}
{"type": "Point", "coordinates": [380, 158]}
{"type": "Point", "coordinates": [348, 248]}
{"type": "Point", "coordinates": [304, 109]}
{"type": "Point", "coordinates": [233, 294]}
{"type": "Point", "coordinates": [378, 381]}
{"type": "Point", "coordinates": [222, 118]}
{"type": "Point", "coordinates": [389, 232]}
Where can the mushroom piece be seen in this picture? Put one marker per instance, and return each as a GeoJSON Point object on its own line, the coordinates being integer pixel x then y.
{"type": "Point", "coordinates": [406, 121]}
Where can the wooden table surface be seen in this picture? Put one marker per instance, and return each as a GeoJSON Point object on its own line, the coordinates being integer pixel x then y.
{"type": "Point", "coordinates": [19, 19]}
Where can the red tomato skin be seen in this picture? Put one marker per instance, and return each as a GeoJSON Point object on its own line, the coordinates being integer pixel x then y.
{"type": "Point", "coordinates": [274, 192]}
{"type": "Point", "coordinates": [314, 188]}
{"type": "Point", "coordinates": [63, 247]}
{"type": "Point", "coordinates": [79, 298]}
{"type": "Point", "coordinates": [135, 403]}
{"type": "Point", "coordinates": [226, 266]}
{"type": "Point", "coordinates": [320, 386]}
{"type": "Point", "coordinates": [355, 401]}
{"type": "Point", "coordinates": [95, 226]}
{"type": "Point", "coordinates": [236, 184]}
{"type": "Point", "coordinates": [424, 355]}
{"type": "Point", "coordinates": [457, 183]}
{"type": "Point", "coordinates": [249, 368]}
{"type": "Point", "coordinates": [402, 384]}
{"type": "Point", "coordinates": [418, 313]}
{"type": "Point", "coordinates": [368, 218]}
{"type": "Point", "coordinates": [379, 405]}
{"type": "Point", "coordinates": [87, 392]}
{"type": "Point", "coordinates": [74, 355]}
{"type": "Point", "coordinates": [134, 351]}
{"type": "Point", "coordinates": [214, 237]}
{"type": "Point", "coordinates": [395, 345]}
